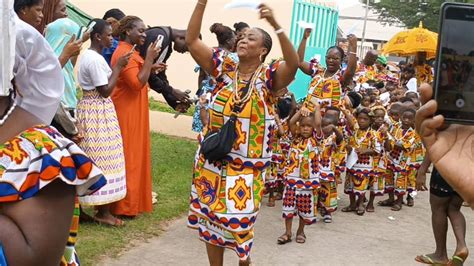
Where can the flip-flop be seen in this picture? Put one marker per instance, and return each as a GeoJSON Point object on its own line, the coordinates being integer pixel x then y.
{"type": "Point", "coordinates": [348, 209]}
{"type": "Point", "coordinates": [327, 219]}
{"type": "Point", "coordinates": [284, 239]}
{"type": "Point", "coordinates": [367, 209]}
{"type": "Point", "coordinates": [386, 203]}
{"type": "Point", "coordinates": [117, 222]}
{"type": "Point", "coordinates": [457, 260]}
{"type": "Point", "coordinates": [425, 259]}
{"type": "Point", "coordinates": [410, 202]}
{"type": "Point", "coordinates": [361, 212]}
{"type": "Point", "coordinates": [300, 239]}
{"type": "Point", "coordinates": [396, 207]}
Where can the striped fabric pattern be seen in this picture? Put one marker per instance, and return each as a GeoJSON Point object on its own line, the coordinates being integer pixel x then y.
{"type": "Point", "coordinates": [103, 143]}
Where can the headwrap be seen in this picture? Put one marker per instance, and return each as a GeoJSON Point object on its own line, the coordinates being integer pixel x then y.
{"type": "Point", "coordinates": [382, 60]}
{"type": "Point", "coordinates": [58, 34]}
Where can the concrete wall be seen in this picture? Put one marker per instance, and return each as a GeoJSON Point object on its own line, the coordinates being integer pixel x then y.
{"type": "Point", "coordinates": [176, 13]}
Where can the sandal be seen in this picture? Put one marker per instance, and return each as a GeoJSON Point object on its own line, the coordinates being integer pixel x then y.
{"type": "Point", "coordinates": [425, 259]}
{"type": "Point", "coordinates": [386, 203]}
{"type": "Point", "coordinates": [371, 209]}
{"type": "Point", "coordinates": [284, 239]}
{"type": "Point", "coordinates": [348, 209]}
{"type": "Point", "coordinates": [458, 260]}
{"type": "Point", "coordinates": [117, 222]}
{"type": "Point", "coordinates": [327, 219]}
{"type": "Point", "coordinates": [300, 239]}
{"type": "Point", "coordinates": [410, 202]}
{"type": "Point", "coordinates": [396, 207]}
{"type": "Point", "coordinates": [361, 211]}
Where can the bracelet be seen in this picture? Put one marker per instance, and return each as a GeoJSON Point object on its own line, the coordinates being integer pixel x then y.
{"type": "Point", "coordinates": [201, 3]}
{"type": "Point", "coordinates": [279, 31]}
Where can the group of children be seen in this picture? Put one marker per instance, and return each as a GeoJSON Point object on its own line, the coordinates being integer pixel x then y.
{"type": "Point", "coordinates": [370, 139]}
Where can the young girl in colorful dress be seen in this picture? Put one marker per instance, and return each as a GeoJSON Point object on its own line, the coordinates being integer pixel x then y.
{"type": "Point", "coordinates": [362, 143]}
{"type": "Point", "coordinates": [302, 175]}
{"type": "Point", "coordinates": [285, 108]}
{"type": "Point", "coordinates": [400, 145]}
{"type": "Point", "coordinates": [377, 182]}
{"type": "Point", "coordinates": [327, 84]}
{"type": "Point", "coordinates": [330, 147]}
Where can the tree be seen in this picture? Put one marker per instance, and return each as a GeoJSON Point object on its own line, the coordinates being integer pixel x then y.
{"type": "Point", "coordinates": [411, 12]}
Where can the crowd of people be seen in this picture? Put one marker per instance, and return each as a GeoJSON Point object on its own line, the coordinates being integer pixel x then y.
{"type": "Point", "coordinates": [355, 126]}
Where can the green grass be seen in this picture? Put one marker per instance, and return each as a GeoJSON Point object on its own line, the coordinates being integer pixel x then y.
{"type": "Point", "coordinates": [155, 105]}
{"type": "Point", "coordinates": [172, 160]}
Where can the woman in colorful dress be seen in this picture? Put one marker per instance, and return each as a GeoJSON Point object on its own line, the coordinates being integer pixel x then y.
{"type": "Point", "coordinates": [41, 172]}
{"type": "Point", "coordinates": [130, 97]}
{"type": "Point", "coordinates": [226, 194]}
{"type": "Point", "coordinates": [327, 84]}
{"type": "Point", "coordinates": [96, 115]}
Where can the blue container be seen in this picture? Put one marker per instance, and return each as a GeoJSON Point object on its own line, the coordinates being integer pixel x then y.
{"type": "Point", "coordinates": [323, 36]}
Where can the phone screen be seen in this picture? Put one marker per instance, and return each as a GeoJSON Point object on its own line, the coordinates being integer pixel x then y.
{"type": "Point", "coordinates": [455, 64]}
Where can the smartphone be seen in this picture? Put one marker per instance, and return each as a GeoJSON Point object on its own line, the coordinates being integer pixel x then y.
{"type": "Point", "coordinates": [91, 27]}
{"type": "Point", "coordinates": [454, 70]}
{"type": "Point", "coordinates": [79, 33]}
{"type": "Point", "coordinates": [159, 41]}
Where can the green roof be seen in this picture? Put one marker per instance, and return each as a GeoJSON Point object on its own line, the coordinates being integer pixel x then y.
{"type": "Point", "coordinates": [77, 15]}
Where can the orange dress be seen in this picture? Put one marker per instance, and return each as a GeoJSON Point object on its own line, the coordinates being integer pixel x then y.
{"type": "Point", "coordinates": [130, 98]}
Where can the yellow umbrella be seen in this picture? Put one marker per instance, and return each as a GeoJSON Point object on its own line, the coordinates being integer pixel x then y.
{"type": "Point", "coordinates": [410, 42]}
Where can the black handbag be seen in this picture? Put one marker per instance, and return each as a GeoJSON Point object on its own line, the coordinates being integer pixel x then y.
{"type": "Point", "coordinates": [217, 144]}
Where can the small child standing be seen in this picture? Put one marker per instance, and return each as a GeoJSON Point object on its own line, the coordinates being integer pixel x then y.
{"type": "Point", "coordinates": [377, 182]}
{"type": "Point", "coordinates": [329, 149]}
{"type": "Point", "coordinates": [400, 146]}
{"type": "Point", "coordinates": [362, 143]}
{"type": "Point", "coordinates": [300, 197]}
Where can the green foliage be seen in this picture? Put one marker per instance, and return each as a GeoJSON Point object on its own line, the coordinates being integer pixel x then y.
{"type": "Point", "coordinates": [172, 163]}
{"type": "Point", "coordinates": [411, 12]}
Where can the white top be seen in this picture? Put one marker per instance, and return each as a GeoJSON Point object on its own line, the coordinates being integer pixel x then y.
{"type": "Point", "coordinates": [37, 73]}
{"type": "Point", "coordinates": [412, 85]}
{"type": "Point", "coordinates": [93, 71]}
{"type": "Point", "coordinates": [7, 46]}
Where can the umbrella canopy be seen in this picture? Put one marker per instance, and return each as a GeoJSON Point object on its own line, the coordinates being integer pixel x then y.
{"type": "Point", "coordinates": [410, 42]}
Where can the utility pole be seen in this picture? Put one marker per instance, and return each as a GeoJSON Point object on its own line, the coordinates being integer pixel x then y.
{"type": "Point", "coordinates": [361, 50]}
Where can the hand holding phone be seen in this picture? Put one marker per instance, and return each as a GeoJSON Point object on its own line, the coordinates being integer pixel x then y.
{"type": "Point", "coordinates": [454, 75]}
{"type": "Point", "coordinates": [159, 41]}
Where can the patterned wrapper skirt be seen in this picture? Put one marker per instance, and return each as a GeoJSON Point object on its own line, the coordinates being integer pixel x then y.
{"type": "Point", "coordinates": [103, 143]}
{"type": "Point", "coordinates": [225, 201]}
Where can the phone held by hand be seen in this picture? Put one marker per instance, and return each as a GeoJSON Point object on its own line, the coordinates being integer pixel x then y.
{"type": "Point", "coordinates": [133, 48]}
{"type": "Point", "coordinates": [79, 33]}
{"type": "Point", "coordinates": [90, 28]}
{"type": "Point", "coordinates": [159, 41]}
{"type": "Point", "coordinates": [454, 70]}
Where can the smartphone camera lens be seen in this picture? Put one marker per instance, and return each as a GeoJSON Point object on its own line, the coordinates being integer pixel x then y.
{"type": "Point", "coordinates": [460, 103]}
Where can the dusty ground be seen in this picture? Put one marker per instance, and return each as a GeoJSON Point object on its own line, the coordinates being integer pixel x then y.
{"type": "Point", "coordinates": [372, 239]}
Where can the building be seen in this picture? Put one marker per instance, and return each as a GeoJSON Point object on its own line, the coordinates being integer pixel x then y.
{"type": "Point", "coordinates": [351, 20]}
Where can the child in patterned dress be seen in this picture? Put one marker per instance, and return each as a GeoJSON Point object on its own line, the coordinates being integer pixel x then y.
{"type": "Point", "coordinates": [272, 181]}
{"type": "Point", "coordinates": [400, 145]}
{"type": "Point", "coordinates": [300, 197]}
{"type": "Point", "coordinates": [377, 182]}
{"type": "Point", "coordinates": [361, 145]}
{"type": "Point", "coordinates": [329, 149]}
